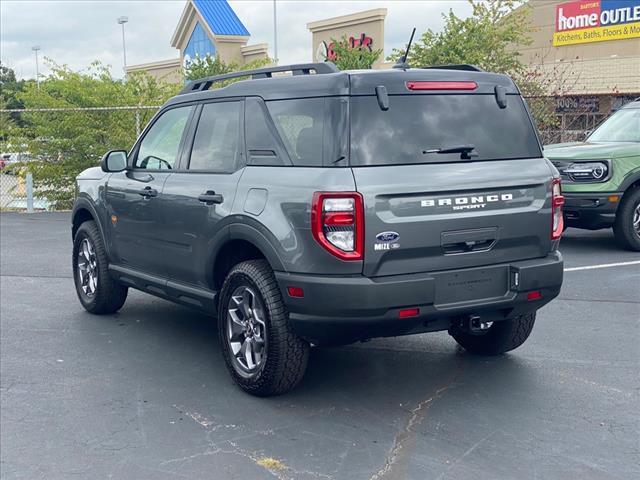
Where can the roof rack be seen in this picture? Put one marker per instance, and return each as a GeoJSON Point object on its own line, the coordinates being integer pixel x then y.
{"type": "Point", "coordinates": [462, 66]}
{"type": "Point", "coordinates": [203, 84]}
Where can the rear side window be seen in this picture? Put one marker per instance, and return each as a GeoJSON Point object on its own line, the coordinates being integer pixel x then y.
{"type": "Point", "coordinates": [416, 127]}
{"type": "Point", "coordinates": [314, 130]}
{"type": "Point", "coordinates": [216, 146]}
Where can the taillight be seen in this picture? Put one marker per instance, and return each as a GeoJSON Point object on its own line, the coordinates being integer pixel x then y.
{"type": "Point", "coordinates": [337, 223]}
{"type": "Point", "coordinates": [445, 85]}
{"type": "Point", "coordinates": [557, 201]}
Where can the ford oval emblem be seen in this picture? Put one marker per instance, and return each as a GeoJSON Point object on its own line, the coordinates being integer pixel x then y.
{"type": "Point", "coordinates": [388, 237]}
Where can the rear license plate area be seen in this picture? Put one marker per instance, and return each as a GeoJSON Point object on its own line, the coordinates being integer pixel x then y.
{"type": "Point", "coordinates": [469, 285]}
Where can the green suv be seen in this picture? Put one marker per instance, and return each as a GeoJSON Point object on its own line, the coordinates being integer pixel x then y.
{"type": "Point", "coordinates": [601, 177]}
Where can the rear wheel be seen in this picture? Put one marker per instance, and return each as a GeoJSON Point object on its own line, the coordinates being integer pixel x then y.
{"type": "Point", "coordinates": [97, 291]}
{"type": "Point", "coordinates": [501, 337]}
{"type": "Point", "coordinates": [260, 350]}
{"type": "Point", "coordinates": [627, 225]}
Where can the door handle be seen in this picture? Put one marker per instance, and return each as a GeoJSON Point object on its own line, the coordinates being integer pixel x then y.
{"type": "Point", "coordinates": [148, 192]}
{"type": "Point", "coordinates": [210, 197]}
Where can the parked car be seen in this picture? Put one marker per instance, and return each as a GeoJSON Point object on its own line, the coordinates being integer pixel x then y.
{"type": "Point", "coordinates": [601, 177]}
{"type": "Point", "coordinates": [328, 207]}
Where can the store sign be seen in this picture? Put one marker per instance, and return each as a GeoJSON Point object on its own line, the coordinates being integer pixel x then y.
{"type": "Point", "coordinates": [325, 52]}
{"type": "Point", "coordinates": [587, 21]}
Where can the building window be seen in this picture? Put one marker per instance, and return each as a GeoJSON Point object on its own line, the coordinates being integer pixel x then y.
{"type": "Point", "coordinates": [199, 45]}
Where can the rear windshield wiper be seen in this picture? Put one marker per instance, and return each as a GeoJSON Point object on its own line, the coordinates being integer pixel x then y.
{"type": "Point", "coordinates": [466, 151]}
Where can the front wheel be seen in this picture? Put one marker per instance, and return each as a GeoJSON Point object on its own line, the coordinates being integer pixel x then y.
{"type": "Point", "coordinates": [260, 350]}
{"type": "Point", "coordinates": [501, 337]}
{"type": "Point", "coordinates": [627, 225]}
{"type": "Point", "coordinates": [97, 291]}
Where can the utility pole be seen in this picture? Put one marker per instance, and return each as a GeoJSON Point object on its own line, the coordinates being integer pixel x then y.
{"type": "Point", "coordinates": [35, 48]}
{"type": "Point", "coordinates": [275, 34]}
{"type": "Point", "coordinates": [122, 21]}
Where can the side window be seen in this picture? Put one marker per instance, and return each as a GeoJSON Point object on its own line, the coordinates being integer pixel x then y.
{"type": "Point", "coordinates": [216, 146]}
{"type": "Point", "coordinates": [159, 147]}
{"type": "Point", "coordinates": [262, 143]}
{"type": "Point", "coordinates": [301, 125]}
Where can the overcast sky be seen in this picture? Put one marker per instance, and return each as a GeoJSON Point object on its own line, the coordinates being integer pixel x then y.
{"type": "Point", "coordinates": [78, 32]}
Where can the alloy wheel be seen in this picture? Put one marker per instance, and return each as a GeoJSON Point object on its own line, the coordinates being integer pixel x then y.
{"type": "Point", "coordinates": [246, 329]}
{"type": "Point", "coordinates": [636, 220]}
{"type": "Point", "coordinates": [87, 264]}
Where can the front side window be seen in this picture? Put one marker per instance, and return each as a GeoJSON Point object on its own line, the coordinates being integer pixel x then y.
{"type": "Point", "coordinates": [160, 146]}
{"type": "Point", "coordinates": [216, 146]}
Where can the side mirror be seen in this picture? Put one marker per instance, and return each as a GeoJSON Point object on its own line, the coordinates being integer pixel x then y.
{"type": "Point", "coordinates": [114, 161]}
{"type": "Point", "coordinates": [587, 133]}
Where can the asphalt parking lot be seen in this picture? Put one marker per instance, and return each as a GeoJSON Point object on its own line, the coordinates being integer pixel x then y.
{"type": "Point", "coordinates": [145, 394]}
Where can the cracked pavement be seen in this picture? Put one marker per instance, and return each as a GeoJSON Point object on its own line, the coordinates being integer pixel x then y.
{"type": "Point", "coordinates": [145, 394]}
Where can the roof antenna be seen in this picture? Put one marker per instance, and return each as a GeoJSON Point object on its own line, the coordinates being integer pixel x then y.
{"type": "Point", "coordinates": [402, 61]}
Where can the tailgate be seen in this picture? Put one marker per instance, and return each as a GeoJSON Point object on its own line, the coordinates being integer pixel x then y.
{"type": "Point", "coordinates": [431, 217]}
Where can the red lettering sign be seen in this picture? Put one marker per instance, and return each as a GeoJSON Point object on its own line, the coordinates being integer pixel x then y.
{"type": "Point", "coordinates": [577, 15]}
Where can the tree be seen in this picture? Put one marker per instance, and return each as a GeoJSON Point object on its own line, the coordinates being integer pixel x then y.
{"type": "Point", "coordinates": [352, 57]}
{"type": "Point", "coordinates": [210, 66]}
{"type": "Point", "coordinates": [67, 142]}
{"type": "Point", "coordinates": [9, 90]}
{"type": "Point", "coordinates": [490, 38]}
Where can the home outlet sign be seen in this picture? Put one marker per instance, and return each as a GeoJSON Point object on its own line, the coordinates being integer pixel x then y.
{"type": "Point", "coordinates": [587, 21]}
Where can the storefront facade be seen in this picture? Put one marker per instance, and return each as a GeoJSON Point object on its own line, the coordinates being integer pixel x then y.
{"type": "Point", "coordinates": [362, 30]}
{"type": "Point", "coordinates": [206, 28]}
{"type": "Point", "coordinates": [588, 53]}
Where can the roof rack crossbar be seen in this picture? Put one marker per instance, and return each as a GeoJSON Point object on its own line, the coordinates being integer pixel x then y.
{"type": "Point", "coordinates": [203, 84]}
{"type": "Point", "coordinates": [462, 66]}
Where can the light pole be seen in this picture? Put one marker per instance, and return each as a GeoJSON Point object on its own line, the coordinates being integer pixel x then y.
{"type": "Point", "coordinates": [275, 34]}
{"type": "Point", "coordinates": [35, 48]}
{"type": "Point", "coordinates": [122, 21]}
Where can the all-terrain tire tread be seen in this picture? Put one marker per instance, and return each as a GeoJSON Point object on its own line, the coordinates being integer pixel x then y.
{"type": "Point", "coordinates": [287, 353]}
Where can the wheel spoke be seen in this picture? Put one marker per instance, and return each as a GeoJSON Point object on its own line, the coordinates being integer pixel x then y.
{"type": "Point", "coordinates": [87, 264]}
{"type": "Point", "coordinates": [246, 329]}
{"type": "Point", "coordinates": [248, 354]}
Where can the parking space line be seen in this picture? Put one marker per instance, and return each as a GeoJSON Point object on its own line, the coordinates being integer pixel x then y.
{"type": "Point", "coordinates": [603, 265]}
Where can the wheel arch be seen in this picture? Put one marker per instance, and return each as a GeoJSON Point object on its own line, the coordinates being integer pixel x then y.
{"type": "Point", "coordinates": [242, 242]}
{"type": "Point", "coordinates": [84, 211]}
{"type": "Point", "coordinates": [631, 181]}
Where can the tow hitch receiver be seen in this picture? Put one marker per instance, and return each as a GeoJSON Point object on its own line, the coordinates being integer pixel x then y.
{"type": "Point", "coordinates": [475, 324]}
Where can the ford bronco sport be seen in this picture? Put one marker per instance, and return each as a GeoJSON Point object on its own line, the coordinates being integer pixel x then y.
{"type": "Point", "coordinates": [328, 207]}
{"type": "Point", "coordinates": [601, 177]}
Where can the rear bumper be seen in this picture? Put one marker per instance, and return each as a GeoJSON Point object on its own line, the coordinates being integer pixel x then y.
{"type": "Point", "coordinates": [339, 310]}
{"type": "Point", "coordinates": [590, 211]}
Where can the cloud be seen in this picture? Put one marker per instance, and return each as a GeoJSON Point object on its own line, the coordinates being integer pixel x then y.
{"type": "Point", "coordinates": [76, 33]}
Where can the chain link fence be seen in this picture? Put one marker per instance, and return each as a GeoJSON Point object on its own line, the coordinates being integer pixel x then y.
{"type": "Point", "coordinates": [45, 148]}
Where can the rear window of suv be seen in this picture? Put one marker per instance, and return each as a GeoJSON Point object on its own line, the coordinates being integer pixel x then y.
{"type": "Point", "coordinates": [416, 126]}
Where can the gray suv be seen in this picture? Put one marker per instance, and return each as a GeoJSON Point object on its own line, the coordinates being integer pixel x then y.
{"type": "Point", "coordinates": [326, 207]}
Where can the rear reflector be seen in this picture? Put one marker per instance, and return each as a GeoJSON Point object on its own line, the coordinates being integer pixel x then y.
{"type": "Point", "coordinates": [557, 201]}
{"type": "Point", "coordinates": [296, 292]}
{"type": "Point", "coordinates": [409, 312]}
{"type": "Point", "coordinates": [535, 295]}
{"type": "Point", "coordinates": [442, 85]}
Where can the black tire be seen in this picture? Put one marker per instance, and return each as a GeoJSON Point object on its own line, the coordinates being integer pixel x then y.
{"type": "Point", "coordinates": [109, 295]}
{"type": "Point", "coordinates": [502, 337]}
{"type": "Point", "coordinates": [285, 354]}
{"type": "Point", "coordinates": [626, 234]}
